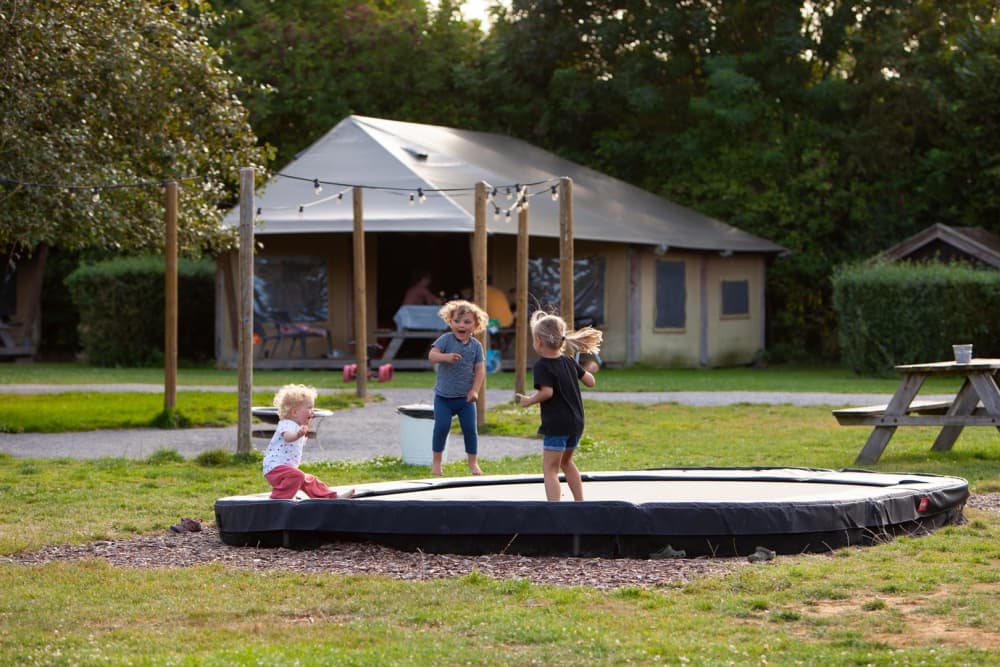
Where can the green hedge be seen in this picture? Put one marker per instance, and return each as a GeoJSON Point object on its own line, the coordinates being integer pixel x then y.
{"type": "Point", "coordinates": [906, 313]}
{"type": "Point", "coordinates": [121, 305]}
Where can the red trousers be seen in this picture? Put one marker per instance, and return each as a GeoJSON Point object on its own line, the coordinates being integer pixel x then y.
{"type": "Point", "coordinates": [286, 481]}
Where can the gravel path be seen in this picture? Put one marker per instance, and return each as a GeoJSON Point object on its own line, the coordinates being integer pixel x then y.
{"type": "Point", "coordinates": [357, 434]}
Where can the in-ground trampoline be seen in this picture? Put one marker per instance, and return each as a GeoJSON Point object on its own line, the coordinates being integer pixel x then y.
{"type": "Point", "coordinates": [702, 511]}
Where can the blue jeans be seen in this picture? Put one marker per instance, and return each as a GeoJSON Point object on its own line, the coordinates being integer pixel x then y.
{"type": "Point", "coordinates": [444, 410]}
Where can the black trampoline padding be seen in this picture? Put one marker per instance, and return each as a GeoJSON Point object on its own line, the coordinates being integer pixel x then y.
{"type": "Point", "coordinates": [704, 511]}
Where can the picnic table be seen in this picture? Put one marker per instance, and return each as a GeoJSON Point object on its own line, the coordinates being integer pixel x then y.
{"type": "Point", "coordinates": [412, 322]}
{"type": "Point", "coordinates": [977, 403]}
{"type": "Point", "coordinates": [9, 346]}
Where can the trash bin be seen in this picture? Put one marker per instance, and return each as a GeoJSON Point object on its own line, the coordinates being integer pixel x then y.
{"type": "Point", "coordinates": [416, 434]}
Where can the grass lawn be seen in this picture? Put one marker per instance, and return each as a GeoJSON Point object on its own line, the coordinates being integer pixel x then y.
{"type": "Point", "coordinates": [920, 600]}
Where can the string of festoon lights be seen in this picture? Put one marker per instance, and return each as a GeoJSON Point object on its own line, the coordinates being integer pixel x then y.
{"type": "Point", "coordinates": [517, 194]}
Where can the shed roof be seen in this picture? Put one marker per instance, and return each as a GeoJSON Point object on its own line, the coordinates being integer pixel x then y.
{"type": "Point", "coordinates": [392, 159]}
{"type": "Point", "coordinates": [971, 242]}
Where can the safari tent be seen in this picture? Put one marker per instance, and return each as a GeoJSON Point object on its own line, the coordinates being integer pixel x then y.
{"type": "Point", "coordinates": [667, 285]}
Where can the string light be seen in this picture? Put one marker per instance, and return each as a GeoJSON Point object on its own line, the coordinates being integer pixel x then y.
{"type": "Point", "coordinates": [420, 196]}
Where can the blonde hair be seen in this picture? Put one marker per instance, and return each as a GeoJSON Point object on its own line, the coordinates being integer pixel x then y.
{"type": "Point", "coordinates": [460, 307]}
{"type": "Point", "coordinates": [292, 395]}
{"type": "Point", "coordinates": [551, 329]}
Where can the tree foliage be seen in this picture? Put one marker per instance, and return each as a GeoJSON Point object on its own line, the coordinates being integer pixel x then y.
{"type": "Point", "coordinates": [833, 128]}
{"type": "Point", "coordinates": [311, 63]}
{"type": "Point", "coordinates": [114, 93]}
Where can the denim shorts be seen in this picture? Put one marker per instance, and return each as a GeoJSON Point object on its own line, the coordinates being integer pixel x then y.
{"type": "Point", "coordinates": [560, 443]}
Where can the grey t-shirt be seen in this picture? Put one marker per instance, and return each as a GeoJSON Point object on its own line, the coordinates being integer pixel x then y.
{"type": "Point", "coordinates": [455, 380]}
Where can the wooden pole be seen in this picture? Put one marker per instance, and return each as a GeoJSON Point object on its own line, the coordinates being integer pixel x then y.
{"type": "Point", "coordinates": [170, 302]}
{"type": "Point", "coordinates": [360, 298]}
{"type": "Point", "coordinates": [566, 307]}
{"type": "Point", "coordinates": [521, 285]}
{"type": "Point", "coordinates": [244, 444]}
{"type": "Point", "coordinates": [479, 281]}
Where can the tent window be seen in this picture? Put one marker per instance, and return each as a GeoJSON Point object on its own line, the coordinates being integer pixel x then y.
{"type": "Point", "coordinates": [671, 295]}
{"type": "Point", "coordinates": [296, 285]}
{"type": "Point", "coordinates": [588, 287]}
{"type": "Point", "coordinates": [735, 298]}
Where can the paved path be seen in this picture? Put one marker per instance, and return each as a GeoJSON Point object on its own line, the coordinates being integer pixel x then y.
{"type": "Point", "coordinates": [356, 434]}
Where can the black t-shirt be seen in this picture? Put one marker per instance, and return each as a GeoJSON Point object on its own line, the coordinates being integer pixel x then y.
{"type": "Point", "coordinates": [563, 413]}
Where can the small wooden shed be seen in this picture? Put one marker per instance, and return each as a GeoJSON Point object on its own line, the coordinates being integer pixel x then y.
{"type": "Point", "coordinates": [947, 244]}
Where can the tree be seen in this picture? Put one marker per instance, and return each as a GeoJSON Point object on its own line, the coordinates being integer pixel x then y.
{"type": "Point", "coordinates": [104, 100]}
{"type": "Point", "coordinates": [311, 63]}
{"type": "Point", "coordinates": [833, 128]}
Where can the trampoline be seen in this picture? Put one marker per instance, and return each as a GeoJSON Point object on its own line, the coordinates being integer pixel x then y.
{"type": "Point", "coordinates": [636, 514]}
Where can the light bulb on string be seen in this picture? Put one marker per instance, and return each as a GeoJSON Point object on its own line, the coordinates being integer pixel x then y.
{"type": "Point", "coordinates": [496, 213]}
{"type": "Point", "coordinates": [317, 188]}
{"type": "Point", "coordinates": [509, 195]}
{"type": "Point", "coordinates": [301, 209]}
{"type": "Point", "coordinates": [95, 196]}
{"type": "Point", "coordinates": [340, 197]}
{"type": "Point", "coordinates": [413, 199]}
{"type": "Point", "coordinates": [555, 193]}
{"type": "Point", "coordinates": [421, 196]}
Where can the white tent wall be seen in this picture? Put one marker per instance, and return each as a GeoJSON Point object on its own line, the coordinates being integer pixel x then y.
{"type": "Point", "coordinates": [707, 338]}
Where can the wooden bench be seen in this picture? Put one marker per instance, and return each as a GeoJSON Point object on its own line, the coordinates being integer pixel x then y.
{"type": "Point", "coordinates": [874, 415]}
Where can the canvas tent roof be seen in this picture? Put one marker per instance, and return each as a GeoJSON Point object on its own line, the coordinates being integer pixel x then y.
{"type": "Point", "coordinates": [392, 159]}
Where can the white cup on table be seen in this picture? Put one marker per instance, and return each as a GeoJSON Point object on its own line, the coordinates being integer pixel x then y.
{"type": "Point", "coordinates": [963, 353]}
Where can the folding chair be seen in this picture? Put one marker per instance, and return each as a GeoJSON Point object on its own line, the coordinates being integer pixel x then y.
{"type": "Point", "coordinates": [298, 333]}
{"type": "Point", "coordinates": [262, 338]}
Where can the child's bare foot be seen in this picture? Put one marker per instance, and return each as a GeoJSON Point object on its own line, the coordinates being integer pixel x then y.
{"type": "Point", "coordinates": [347, 494]}
{"type": "Point", "coordinates": [475, 469]}
{"type": "Point", "coordinates": [436, 472]}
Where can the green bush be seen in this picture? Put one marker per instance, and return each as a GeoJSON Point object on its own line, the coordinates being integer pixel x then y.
{"type": "Point", "coordinates": [906, 313]}
{"type": "Point", "coordinates": [121, 306]}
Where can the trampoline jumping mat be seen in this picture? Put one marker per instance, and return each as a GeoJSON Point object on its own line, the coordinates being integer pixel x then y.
{"type": "Point", "coordinates": [637, 514]}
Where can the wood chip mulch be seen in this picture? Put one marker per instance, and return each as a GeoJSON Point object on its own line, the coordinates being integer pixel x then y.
{"type": "Point", "coordinates": [187, 549]}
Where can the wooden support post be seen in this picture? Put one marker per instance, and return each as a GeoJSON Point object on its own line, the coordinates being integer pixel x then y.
{"type": "Point", "coordinates": [244, 444]}
{"type": "Point", "coordinates": [479, 280]}
{"type": "Point", "coordinates": [170, 301]}
{"type": "Point", "coordinates": [521, 333]}
{"type": "Point", "coordinates": [360, 298]}
{"type": "Point", "coordinates": [566, 303]}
